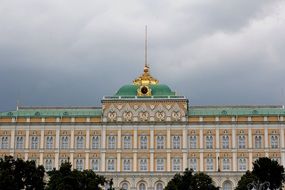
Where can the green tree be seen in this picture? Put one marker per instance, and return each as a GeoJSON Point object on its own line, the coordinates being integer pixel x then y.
{"type": "Point", "coordinates": [66, 179]}
{"type": "Point", "coordinates": [264, 170]}
{"type": "Point", "coordinates": [188, 181]}
{"type": "Point", "coordinates": [19, 174]}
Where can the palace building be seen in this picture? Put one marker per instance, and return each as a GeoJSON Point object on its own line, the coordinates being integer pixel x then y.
{"type": "Point", "coordinates": [144, 134]}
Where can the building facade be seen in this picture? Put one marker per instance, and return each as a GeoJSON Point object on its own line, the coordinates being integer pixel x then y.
{"type": "Point", "coordinates": [144, 134]}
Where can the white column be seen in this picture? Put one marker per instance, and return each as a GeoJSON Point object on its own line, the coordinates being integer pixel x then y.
{"type": "Point", "coordinates": [135, 142]}
{"type": "Point", "coordinates": [56, 158]}
{"type": "Point", "coordinates": [41, 158]}
{"type": "Point", "coordinates": [151, 138]}
{"type": "Point", "coordinates": [234, 157]}
{"type": "Point", "coordinates": [12, 144]}
{"type": "Point", "coordinates": [266, 138]}
{"type": "Point", "coordinates": [184, 161]}
{"type": "Point", "coordinates": [234, 138]}
{"type": "Point", "coordinates": [27, 139]}
{"type": "Point", "coordinates": [217, 138]}
{"type": "Point", "coordinates": [119, 143]}
{"type": "Point", "coordinates": [151, 162]}
{"type": "Point", "coordinates": [184, 144]}
{"type": "Point", "coordinates": [135, 161]}
{"type": "Point", "coordinates": [87, 161]}
{"type": "Point", "coordinates": [249, 138]}
{"type": "Point", "coordinates": [201, 139]}
{"type": "Point", "coordinates": [201, 168]}
{"type": "Point", "coordinates": [250, 162]}
{"type": "Point", "coordinates": [103, 138]}
{"type": "Point", "coordinates": [168, 162]}
{"type": "Point", "coordinates": [57, 138]}
{"type": "Point", "coordinates": [42, 139]}
{"type": "Point", "coordinates": [71, 160]}
{"type": "Point", "coordinates": [118, 161]}
{"type": "Point", "coordinates": [103, 161]}
{"type": "Point", "coordinates": [87, 143]}
{"type": "Point", "coordinates": [218, 165]}
{"type": "Point", "coordinates": [168, 139]}
{"type": "Point", "coordinates": [72, 139]}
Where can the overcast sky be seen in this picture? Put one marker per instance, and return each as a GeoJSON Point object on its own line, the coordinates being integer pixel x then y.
{"type": "Point", "coordinates": [72, 53]}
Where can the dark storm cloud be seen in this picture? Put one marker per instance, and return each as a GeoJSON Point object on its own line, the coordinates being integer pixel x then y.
{"type": "Point", "coordinates": [73, 53]}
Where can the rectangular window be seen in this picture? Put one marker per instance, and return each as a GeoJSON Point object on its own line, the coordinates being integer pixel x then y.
{"type": "Point", "coordinates": [4, 142]}
{"type": "Point", "coordinates": [79, 164]}
{"type": "Point", "coordinates": [127, 142]}
{"type": "Point", "coordinates": [226, 142]}
{"type": "Point", "coordinates": [127, 165]}
{"type": "Point", "coordinates": [274, 141]}
{"type": "Point", "coordinates": [209, 142]}
{"type": "Point", "coordinates": [241, 141]}
{"type": "Point", "coordinates": [95, 164]}
{"type": "Point", "coordinates": [160, 164]}
{"type": "Point", "coordinates": [160, 142]}
{"type": "Point", "coordinates": [64, 142]}
{"type": "Point", "coordinates": [193, 142]}
{"type": "Point", "coordinates": [111, 142]}
{"type": "Point", "coordinates": [258, 141]}
{"type": "Point", "coordinates": [209, 164]}
{"type": "Point", "coordinates": [143, 164]}
{"type": "Point", "coordinates": [226, 164]}
{"type": "Point", "coordinates": [48, 164]}
{"type": "Point", "coordinates": [111, 165]}
{"type": "Point", "coordinates": [95, 142]}
{"type": "Point", "coordinates": [242, 164]}
{"type": "Point", "coordinates": [176, 164]}
{"type": "Point", "coordinates": [176, 142]}
{"type": "Point", "coordinates": [19, 142]}
{"type": "Point", "coordinates": [79, 142]}
{"type": "Point", "coordinates": [49, 142]}
{"type": "Point", "coordinates": [143, 142]}
{"type": "Point", "coordinates": [34, 142]}
{"type": "Point", "coordinates": [193, 164]}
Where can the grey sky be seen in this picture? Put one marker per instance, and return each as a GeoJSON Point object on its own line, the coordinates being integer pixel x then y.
{"type": "Point", "coordinates": [70, 53]}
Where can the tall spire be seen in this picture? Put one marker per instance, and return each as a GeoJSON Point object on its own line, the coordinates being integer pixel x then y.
{"type": "Point", "coordinates": [145, 47]}
{"type": "Point", "coordinates": [145, 78]}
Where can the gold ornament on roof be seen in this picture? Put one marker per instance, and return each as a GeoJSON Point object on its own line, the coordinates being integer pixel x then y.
{"type": "Point", "coordinates": [145, 78]}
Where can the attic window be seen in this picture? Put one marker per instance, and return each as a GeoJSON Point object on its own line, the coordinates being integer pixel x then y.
{"type": "Point", "coordinates": [224, 112]}
{"type": "Point", "coordinates": [10, 114]}
{"type": "Point", "coordinates": [37, 113]}
{"type": "Point", "coordinates": [65, 113]}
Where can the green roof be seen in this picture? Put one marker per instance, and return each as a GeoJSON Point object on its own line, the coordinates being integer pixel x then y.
{"type": "Point", "coordinates": [53, 112]}
{"type": "Point", "coordinates": [235, 110]}
{"type": "Point", "coordinates": [156, 90]}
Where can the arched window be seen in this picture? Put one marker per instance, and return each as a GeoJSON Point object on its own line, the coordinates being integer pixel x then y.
{"type": "Point", "coordinates": [49, 142]}
{"type": "Point", "coordinates": [127, 142]}
{"type": "Point", "coordinates": [143, 164]}
{"type": "Point", "coordinates": [176, 142]}
{"type": "Point", "coordinates": [241, 141]}
{"type": "Point", "coordinates": [193, 164]}
{"type": "Point", "coordinates": [227, 185]}
{"type": "Point", "coordinates": [159, 186]}
{"type": "Point", "coordinates": [79, 142]}
{"type": "Point", "coordinates": [226, 164]}
{"type": "Point", "coordinates": [242, 164]}
{"type": "Point", "coordinates": [226, 143]}
{"type": "Point", "coordinates": [95, 142]}
{"type": "Point", "coordinates": [176, 164]}
{"type": "Point", "coordinates": [142, 186]}
{"type": "Point", "coordinates": [125, 186]}
{"type": "Point", "coordinates": [143, 142]}
{"type": "Point", "coordinates": [111, 165]}
{"type": "Point", "coordinates": [160, 164]}
{"type": "Point", "coordinates": [209, 164]}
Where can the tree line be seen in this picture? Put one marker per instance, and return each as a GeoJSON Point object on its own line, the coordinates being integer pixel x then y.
{"type": "Point", "coordinates": [16, 174]}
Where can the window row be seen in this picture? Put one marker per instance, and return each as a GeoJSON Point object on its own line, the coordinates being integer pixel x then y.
{"type": "Point", "coordinates": [127, 142]}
